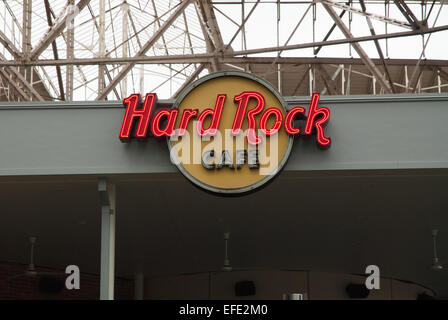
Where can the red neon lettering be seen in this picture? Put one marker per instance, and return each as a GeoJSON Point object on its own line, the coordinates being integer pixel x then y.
{"type": "Point", "coordinates": [243, 100]}
{"type": "Point", "coordinates": [186, 116]}
{"type": "Point", "coordinates": [311, 122]}
{"type": "Point", "coordinates": [278, 121]}
{"type": "Point", "coordinates": [216, 117]}
{"type": "Point", "coordinates": [137, 117]}
{"type": "Point", "coordinates": [168, 130]}
{"type": "Point", "coordinates": [133, 112]}
{"type": "Point", "coordinates": [290, 118]}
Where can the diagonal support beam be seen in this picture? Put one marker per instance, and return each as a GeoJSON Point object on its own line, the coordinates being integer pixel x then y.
{"type": "Point", "coordinates": [362, 54]}
{"type": "Point", "coordinates": [341, 41]}
{"type": "Point", "coordinates": [22, 79]}
{"type": "Point", "coordinates": [212, 41]}
{"type": "Point", "coordinates": [378, 47]}
{"type": "Point", "coordinates": [55, 31]}
{"type": "Point", "coordinates": [9, 45]}
{"type": "Point", "coordinates": [15, 52]}
{"type": "Point", "coordinates": [329, 83]}
{"type": "Point", "coordinates": [208, 19]}
{"type": "Point", "coordinates": [26, 84]}
{"type": "Point", "coordinates": [408, 14]}
{"type": "Point", "coordinates": [144, 49]}
{"type": "Point", "coordinates": [441, 72]}
{"type": "Point", "coordinates": [415, 84]}
{"type": "Point", "coordinates": [316, 51]}
{"type": "Point", "coordinates": [300, 82]}
{"type": "Point", "coordinates": [55, 51]}
{"type": "Point", "coordinates": [16, 87]}
{"type": "Point", "coordinates": [368, 14]}
{"type": "Point", "coordinates": [331, 79]}
{"type": "Point", "coordinates": [243, 23]}
{"type": "Point", "coordinates": [189, 80]}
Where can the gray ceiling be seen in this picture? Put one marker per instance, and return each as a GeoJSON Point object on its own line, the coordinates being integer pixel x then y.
{"type": "Point", "coordinates": [324, 221]}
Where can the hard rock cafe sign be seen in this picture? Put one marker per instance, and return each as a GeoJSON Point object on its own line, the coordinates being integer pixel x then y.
{"type": "Point", "coordinates": [228, 132]}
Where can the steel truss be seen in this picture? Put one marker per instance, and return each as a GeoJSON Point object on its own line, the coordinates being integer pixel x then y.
{"type": "Point", "coordinates": [103, 49]}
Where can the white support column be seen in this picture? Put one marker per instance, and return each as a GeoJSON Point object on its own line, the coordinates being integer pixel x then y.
{"type": "Point", "coordinates": [310, 76]}
{"type": "Point", "coordinates": [406, 77]}
{"type": "Point", "coordinates": [108, 211]}
{"type": "Point", "coordinates": [374, 85]}
{"type": "Point", "coordinates": [349, 80]}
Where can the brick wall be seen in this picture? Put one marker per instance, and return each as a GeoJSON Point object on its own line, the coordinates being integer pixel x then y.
{"type": "Point", "coordinates": [14, 284]}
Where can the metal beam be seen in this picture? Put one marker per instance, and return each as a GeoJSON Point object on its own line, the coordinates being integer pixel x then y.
{"type": "Point", "coordinates": [342, 41]}
{"type": "Point", "coordinates": [208, 18]}
{"type": "Point", "coordinates": [13, 16]}
{"type": "Point", "coordinates": [26, 27]}
{"type": "Point", "coordinates": [157, 19]}
{"type": "Point", "coordinates": [19, 90]}
{"type": "Point", "coordinates": [378, 47]}
{"type": "Point", "coordinates": [26, 84]}
{"type": "Point", "coordinates": [316, 51]}
{"type": "Point", "coordinates": [5, 91]}
{"type": "Point", "coordinates": [414, 84]}
{"type": "Point", "coordinates": [425, 43]}
{"type": "Point", "coordinates": [371, 15]}
{"type": "Point", "coordinates": [55, 31]}
{"type": "Point", "coordinates": [407, 13]}
{"type": "Point", "coordinates": [125, 40]}
{"type": "Point", "coordinates": [101, 43]}
{"type": "Point", "coordinates": [328, 81]}
{"type": "Point", "coordinates": [189, 80]}
{"type": "Point", "coordinates": [13, 50]}
{"type": "Point", "coordinates": [363, 55]}
{"type": "Point", "coordinates": [181, 7]}
{"type": "Point", "coordinates": [22, 80]}
{"type": "Point", "coordinates": [242, 25]}
{"type": "Point", "coordinates": [106, 70]}
{"type": "Point", "coordinates": [187, 32]}
{"type": "Point", "coordinates": [55, 51]}
{"type": "Point", "coordinates": [70, 55]}
{"type": "Point", "coordinates": [334, 76]}
{"type": "Point", "coordinates": [441, 72]}
{"type": "Point", "coordinates": [207, 58]}
{"type": "Point", "coordinates": [204, 58]}
{"type": "Point", "coordinates": [299, 84]}
{"type": "Point", "coordinates": [287, 41]}
{"type": "Point", "coordinates": [208, 37]}
{"type": "Point", "coordinates": [26, 38]}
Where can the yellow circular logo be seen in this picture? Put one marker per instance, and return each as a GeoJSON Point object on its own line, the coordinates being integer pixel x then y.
{"type": "Point", "coordinates": [229, 136]}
